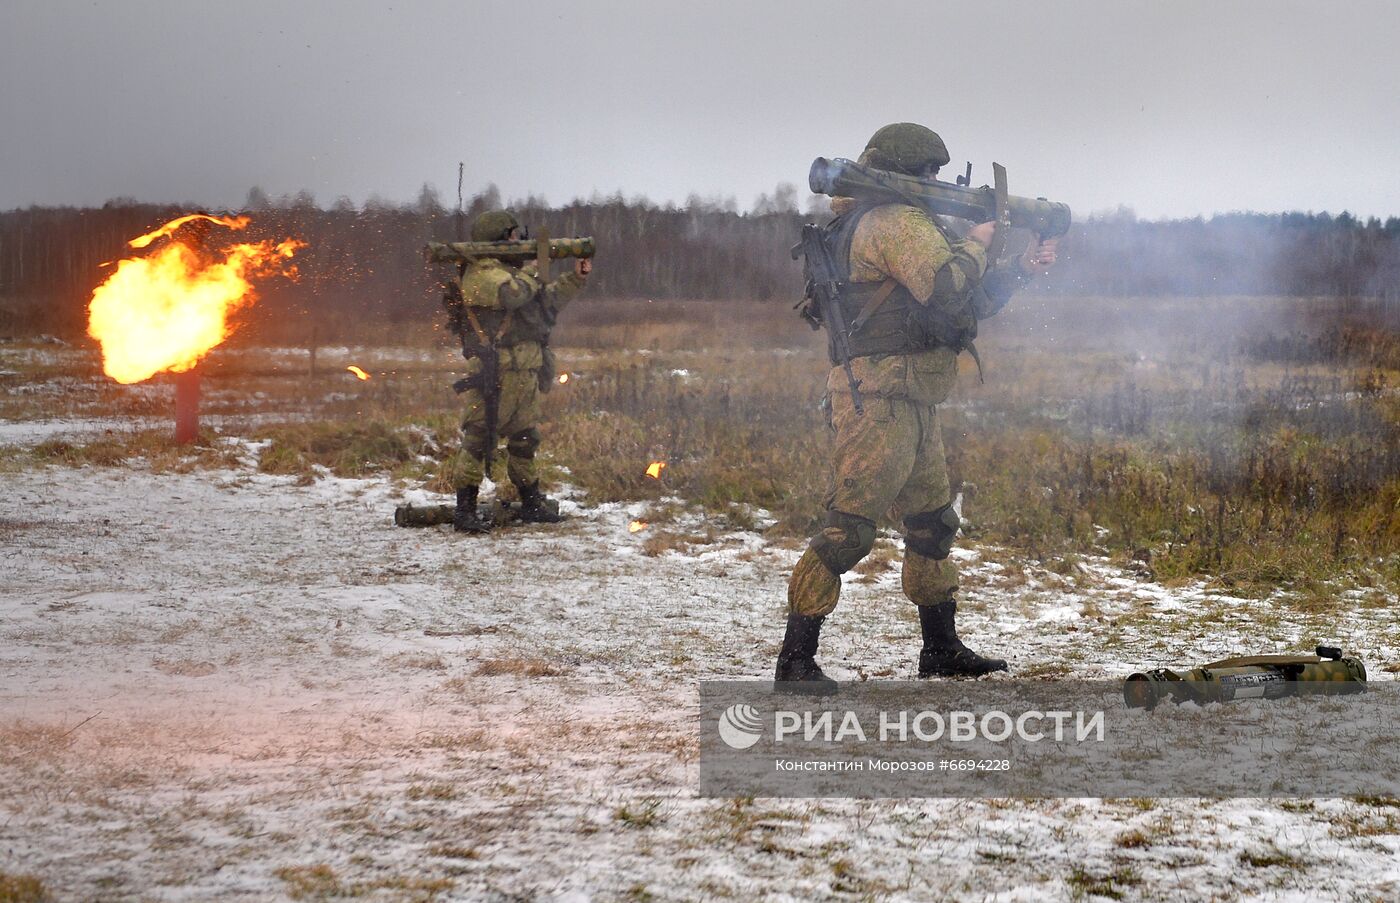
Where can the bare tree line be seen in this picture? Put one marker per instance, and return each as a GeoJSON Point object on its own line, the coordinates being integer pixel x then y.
{"type": "Point", "coordinates": [363, 264]}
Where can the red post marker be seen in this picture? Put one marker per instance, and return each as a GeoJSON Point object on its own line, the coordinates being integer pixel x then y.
{"type": "Point", "coordinates": [187, 406]}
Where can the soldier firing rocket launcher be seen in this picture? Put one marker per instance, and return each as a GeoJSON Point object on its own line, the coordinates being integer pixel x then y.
{"type": "Point", "coordinates": [844, 178]}
{"type": "Point", "coordinates": [1249, 677]}
{"type": "Point", "coordinates": [476, 343]}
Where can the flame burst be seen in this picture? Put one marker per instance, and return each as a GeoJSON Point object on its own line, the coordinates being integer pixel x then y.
{"type": "Point", "coordinates": [235, 223]}
{"type": "Point", "coordinates": [165, 311]}
{"type": "Point", "coordinates": [359, 374]}
{"type": "Point", "coordinates": [563, 378]}
{"type": "Point", "coordinates": [636, 526]}
{"type": "Point", "coordinates": [654, 469]}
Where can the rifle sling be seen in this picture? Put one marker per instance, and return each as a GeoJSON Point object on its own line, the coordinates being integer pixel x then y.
{"type": "Point", "coordinates": [481, 336]}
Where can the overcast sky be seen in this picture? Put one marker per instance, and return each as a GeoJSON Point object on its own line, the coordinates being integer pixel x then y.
{"type": "Point", "coordinates": [1172, 108]}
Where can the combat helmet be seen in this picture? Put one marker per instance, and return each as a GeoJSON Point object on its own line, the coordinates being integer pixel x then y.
{"type": "Point", "coordinates": [905, 147]}
{"type": "Point", "coordinates": [494, 225]}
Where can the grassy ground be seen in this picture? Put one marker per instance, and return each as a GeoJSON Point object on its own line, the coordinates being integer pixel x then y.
{"type": "Point", "coordinates": [1253, 441]}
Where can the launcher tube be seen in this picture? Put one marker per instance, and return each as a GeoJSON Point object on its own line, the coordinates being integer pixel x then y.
{"type": "Point", "coordinates": [843, 178]}
{"type": "Point", "coordinates": [517, 251]}
{"type": "Point", "coordinates": [1256, 677]}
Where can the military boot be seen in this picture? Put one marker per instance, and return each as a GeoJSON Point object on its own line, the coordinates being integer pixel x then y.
{"type": "Point", "coordinates": [798, 671]}
{"type": "Point", "coordinates": [466, 519]}
{"type": "Point", "coordinates": [536, 507]}
{"type": "Point", "coordinates": [944, 655]}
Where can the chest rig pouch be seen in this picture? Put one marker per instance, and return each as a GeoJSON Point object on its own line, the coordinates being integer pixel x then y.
{"type": "Point", "coordinates": [885, 317]}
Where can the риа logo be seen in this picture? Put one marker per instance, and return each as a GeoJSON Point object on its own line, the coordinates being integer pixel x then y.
{"type": "Point", "coordinates": [740, 726]}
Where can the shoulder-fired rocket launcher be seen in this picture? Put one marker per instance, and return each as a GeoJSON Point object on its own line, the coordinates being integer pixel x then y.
{"type": "Point", "coordinates": [844, 178]}
{"type": "Point", "coordinates": [519, 251]}
{"type": "Point", "coordinates": [1249, 677]}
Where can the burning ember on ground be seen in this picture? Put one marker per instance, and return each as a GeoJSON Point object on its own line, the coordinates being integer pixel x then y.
{"type": "Point", "coordinates": [166, 310]}
{"type": "Point", "coordinates": [563, 378]}
{"type": "Point", "coordinates": [636, 526]}
{"type": "Point", "coordinates": [359, 374]}
{"type": "Point", "coordinates": [654, 469]}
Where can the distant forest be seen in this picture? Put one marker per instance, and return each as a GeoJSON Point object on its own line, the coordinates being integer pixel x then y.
{"type": "Point", "coordinates": [363, 265]}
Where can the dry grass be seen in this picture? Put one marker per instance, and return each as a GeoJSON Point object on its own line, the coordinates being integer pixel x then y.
{"type": "Point", "coordinates": [320, 882]}
{"type": "Point", "coordinates": [1132, 840]}
{"type": "Point", "coordinates": [521, 666]}
{"type": "Point", "coordinates": [22, 889]}
{"type": "Point", "coordinates": [440, 791]}
{"type": "Point", "coordinates": [659, 542]}
{"type": "Point", "coordinates": [643, 813]}
{"type": "Point", "coordinates": [22, 739]}
{"type": "Point", "coordinates": [1270, 857]}
{"type": "Point", "coordinates": [155, 449]}
{"type": "Point", "coordinates": [419, 661]}
{"type": "Point", "coordinates": [882, 559]}
{"type": "Point", "coordinates": [1115, 884]}
{"type": "Point", "coordinates": [185, 667]}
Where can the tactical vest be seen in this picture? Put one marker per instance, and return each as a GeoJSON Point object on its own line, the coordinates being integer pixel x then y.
{"type": "Point", "coordinates": [531, 322]}
{"type": "Point", "coordinates": [900, 325]}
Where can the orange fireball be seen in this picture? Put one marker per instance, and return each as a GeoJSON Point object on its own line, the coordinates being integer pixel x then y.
{"type": "Point", "coordinates": [165, 311]}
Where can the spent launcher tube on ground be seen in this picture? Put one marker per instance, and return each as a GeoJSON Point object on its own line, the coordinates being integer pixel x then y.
{"type": "Point", "coordinates": [843, 178]}
{"type": "Point", "coordinates": [1249, 677]}
{"type": "Point", "coordinates": [520, 251]}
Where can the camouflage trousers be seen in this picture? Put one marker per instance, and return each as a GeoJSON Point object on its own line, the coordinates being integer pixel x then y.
{"type": "Point", "coordinates": [891, 457]}
{"type": "Point", "coordinates": [516, 421]}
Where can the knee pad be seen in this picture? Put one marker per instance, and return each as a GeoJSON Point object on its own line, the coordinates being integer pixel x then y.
{"type": "Point", "coordinates": [930, 533]}
{"type": "Point", "coordinates": [844, 541]}
{"type": "Point", "coordinates": [524, 443]}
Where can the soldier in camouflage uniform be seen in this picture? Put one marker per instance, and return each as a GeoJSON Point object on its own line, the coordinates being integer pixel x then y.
{"type": "Point", "coordinates": [935, 288]}
{"type": "Point", "coordinates": [514, 310]}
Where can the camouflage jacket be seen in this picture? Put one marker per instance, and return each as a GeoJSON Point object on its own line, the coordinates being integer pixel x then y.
{"type": "Point", "coordinates": [901, 242]}
{"type": "Point", "coordinates": [495, 291]}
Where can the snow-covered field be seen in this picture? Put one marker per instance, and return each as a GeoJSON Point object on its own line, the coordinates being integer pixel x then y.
{"type": "Point", "coordinates": [222, 685]}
